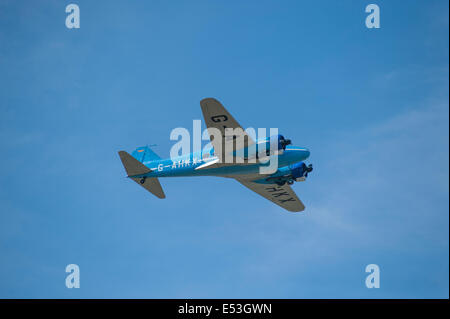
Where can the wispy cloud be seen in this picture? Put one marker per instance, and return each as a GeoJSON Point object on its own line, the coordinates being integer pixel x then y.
{"type": "Point", "coordinates": [385, 192]}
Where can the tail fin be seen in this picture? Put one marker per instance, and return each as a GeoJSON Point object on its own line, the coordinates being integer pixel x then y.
{"type": "Point", "coordinates": [145, 154]}
{"type": "Point", "coordinates": [133, 168]}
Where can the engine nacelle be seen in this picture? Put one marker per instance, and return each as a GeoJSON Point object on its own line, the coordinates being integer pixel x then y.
{"type": "Point", "coordinates": [299, 171]}
{"type": "Point", "coordinates": [263, 148]}
{"type": "Point", "coordinates": [272, 145]}
{"type": "Point", "coordinates": [295, 173]}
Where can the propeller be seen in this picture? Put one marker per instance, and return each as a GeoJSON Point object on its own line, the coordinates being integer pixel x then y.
{"type": "Point", "coordinates": [284, 142]}
{"type": "Point", "coordinates": [308, 169]}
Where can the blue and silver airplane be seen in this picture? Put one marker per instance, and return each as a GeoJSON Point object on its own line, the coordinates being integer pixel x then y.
{"type": "Point", "coordinates": [144, 166]}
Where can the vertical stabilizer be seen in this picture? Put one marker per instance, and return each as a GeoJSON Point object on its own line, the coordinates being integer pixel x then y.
{"type": "Point", "coordinates": [144, 154]}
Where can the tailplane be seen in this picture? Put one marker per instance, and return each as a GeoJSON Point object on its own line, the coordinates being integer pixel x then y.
{"type": "Point", "coordinates": [135, 169]}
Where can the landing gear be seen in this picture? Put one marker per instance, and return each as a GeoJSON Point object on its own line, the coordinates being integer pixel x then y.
{"type": "Point", "coordinates": [142, 180]}
{"type": "Point", "coordinates": [290, 181]}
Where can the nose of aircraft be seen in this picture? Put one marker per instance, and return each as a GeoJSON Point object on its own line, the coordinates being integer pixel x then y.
{"type": "Point", "coordinates": [298, 153]}
{"type": "Point", "coordinates": [301, 153]}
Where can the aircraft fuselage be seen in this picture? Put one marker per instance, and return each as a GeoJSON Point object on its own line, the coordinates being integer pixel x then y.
{"type": "Point", "coordinates": [186, 165]}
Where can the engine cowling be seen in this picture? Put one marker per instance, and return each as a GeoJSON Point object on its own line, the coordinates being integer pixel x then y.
{"type": "Point", "coordinates": [299, 171]}
{"type": "Point", "coordinates": [279, 142]}
{"type": "Point", "coordinates": [273, 143]}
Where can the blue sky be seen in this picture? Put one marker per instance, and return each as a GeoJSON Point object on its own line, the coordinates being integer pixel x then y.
{"type": "Point", "coordinates": [371, 105]}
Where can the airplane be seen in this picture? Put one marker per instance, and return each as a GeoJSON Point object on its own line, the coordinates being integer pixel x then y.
{"type": "Point", "coordinates": [144, 166]}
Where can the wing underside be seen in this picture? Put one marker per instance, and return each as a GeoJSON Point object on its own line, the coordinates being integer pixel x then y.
{"type": "Point", "coordinates": [283, 196]}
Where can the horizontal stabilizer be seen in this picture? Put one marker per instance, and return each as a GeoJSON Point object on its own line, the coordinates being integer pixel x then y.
{"type": "Point", "coordinates": [152, 185]}
{"type": "Point", "coordinates": [134, 168]}
{"type": "Point", "coordinates": [132, 165]}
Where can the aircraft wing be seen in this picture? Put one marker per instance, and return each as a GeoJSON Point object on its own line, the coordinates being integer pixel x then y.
{"type": "Point", "coordinates": [217, 117]}
{"type": "Point", "coordinates": [283, 196]}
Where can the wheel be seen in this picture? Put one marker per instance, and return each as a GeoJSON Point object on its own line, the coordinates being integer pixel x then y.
{"type": "Point", "coordinates": [281, 183]}
{"type": "Point", "coordinates": [142, 181]}
{"type": "Point", "coordinates": [290, 182]}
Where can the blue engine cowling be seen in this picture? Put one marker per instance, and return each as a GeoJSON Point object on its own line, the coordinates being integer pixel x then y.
{"type": "Point", "coordinates": [298, 170]}
{"type": "Point", "coordinates": [295, 172]}
{"type": "Point", "coordinates": [279, 141]}
{"type": "Point", "coordinates": [274, 142]}
{"type": "Point", "coordinates": [272, 145]}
